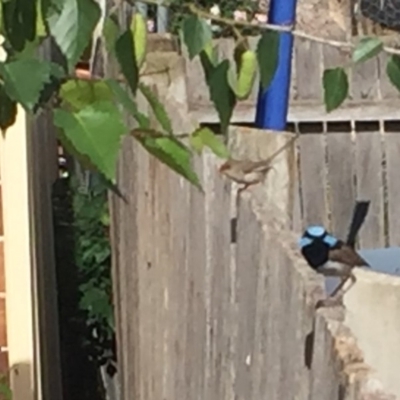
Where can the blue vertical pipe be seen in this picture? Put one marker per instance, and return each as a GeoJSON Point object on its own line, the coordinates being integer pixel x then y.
{"type": "Point", "coordinates": [273, 103]}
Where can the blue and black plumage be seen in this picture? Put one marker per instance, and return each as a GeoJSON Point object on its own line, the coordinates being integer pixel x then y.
{"type": "Point", "coordinates": [328, 255]}
{"type": "Point", "coordinates": [331, 256]}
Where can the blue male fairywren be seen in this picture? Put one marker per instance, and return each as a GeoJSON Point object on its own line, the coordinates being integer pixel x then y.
{"type": "Point", "coordinates": [328, 255]}
{"type": "Point", "coordinates": [331, 256]}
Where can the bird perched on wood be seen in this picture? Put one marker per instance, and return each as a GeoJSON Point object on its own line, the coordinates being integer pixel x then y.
{"type": "Point", "coordinates": [330, 256]}
{"type": "Point", "coordinates": [249, 172]}
{"type": "Point", "coordinates": [333, 257]}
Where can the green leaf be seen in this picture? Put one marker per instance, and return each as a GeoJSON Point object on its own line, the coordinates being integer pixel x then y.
{"type": "Point", "coordinates": [247, 69]}
{"type": "Point", "coordinates": [268, 57]}
{"type": "Point", "coordinates": [196, 143]}
{"type": "Point", "coordinates": [221, 93]}
{"type": "Point", "coordinates": [336, 87]}
{"type": "Point", "coordinates": [24, 80]}
{"type": "Point", "coordinates": [81, 93]}
{"type": "Point", "coordinates": [71, 24]}
{"type": "Point", "coordinates": [97, 302]}
{"type": "Point", "coordinates": [367, 48]}
{"type": "Point", "coordinates": [128, 103]}
{"type": "Point", "coordinates": [40, 25]}
{"type": "Point", "coordinates": [5, 391]}
{"type": "Point", "coordinates": [209, 139]}
{"type": "Point", "coordinates": [139, 32]}
{"type": "Point", "coordinates": [196, 34]}
{"type": "Point", "coordinates": [8, 110]}
{"type": "Point", "coordinates": [19, 22]}
{"type": "Point", "coordinates": [171, 152]}
{"type": "Point", "coordinates": [125, 53]}
{"type": "Point", "coordinates": [110, 32]}
{"type": "Point", "coordinates": [393, 71]}
{"type": "Point", "coordinates": [157, 107]}
{"type": "Point", "coordinates": [96, 132]}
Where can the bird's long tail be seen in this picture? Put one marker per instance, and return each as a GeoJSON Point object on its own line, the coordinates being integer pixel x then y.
{"type": "Point", "coordinates": [359, 214]}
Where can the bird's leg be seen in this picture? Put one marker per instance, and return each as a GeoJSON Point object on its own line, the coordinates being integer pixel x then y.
{"type": "Point", "coordinates": [243, 188]}
{"type": "Point", "coordinates": [339, 288]}
{"type": "Point", "coordinates": [336, 297]}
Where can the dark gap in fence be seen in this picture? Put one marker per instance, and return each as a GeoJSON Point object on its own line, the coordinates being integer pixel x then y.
{"type": "Point", "coordinates": [309, 349]}
{"type": "Point", "coordinates": [310, 127]}
{"type": "Point", "coordinates": [391, 126]}
{"type": "Point", "coordinates": [367, 126]}
{"type": "Point", "coordinates": [233, 229]}
{"type": "Point", "coordinates": [339, 126]}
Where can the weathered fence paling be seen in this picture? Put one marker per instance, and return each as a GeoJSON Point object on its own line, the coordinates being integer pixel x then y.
{"type": "Point", "coordinates": [215, 310]}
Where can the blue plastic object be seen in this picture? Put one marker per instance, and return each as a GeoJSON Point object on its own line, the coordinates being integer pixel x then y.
{"type": "Point", "coordinates": [273, 103]}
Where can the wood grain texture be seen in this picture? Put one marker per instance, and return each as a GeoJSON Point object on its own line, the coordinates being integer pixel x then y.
{"type": "Point", "coordinates": [370, 187]}
{"type": "Point", "coordinates": [219, 276]}
{"type": "Point", "coordinates": [392, 148]}
{"type": "Point", "coordinates": [308, 58]}
{"type": "Point", "coordinates": [341, 152]}
{"type": "Point", "coordinates": [365, 80]}
{"type": "Point", "coordinates": [313, 179]}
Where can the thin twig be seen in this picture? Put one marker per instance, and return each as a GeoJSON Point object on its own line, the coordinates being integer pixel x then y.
{"type": "Point", "coordinates": [263, 26]}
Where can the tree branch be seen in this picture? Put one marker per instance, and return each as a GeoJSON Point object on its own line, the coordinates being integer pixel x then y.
{"type": "Point", "coordinates": [262, 26]}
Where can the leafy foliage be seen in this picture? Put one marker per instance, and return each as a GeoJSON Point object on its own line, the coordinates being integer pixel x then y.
{"type": "Point", "coordinates": [87, 131]}
{"type": "Point", "coordinates": [89, 111]}
{"type": "Point", "coordinates": [93, 258]}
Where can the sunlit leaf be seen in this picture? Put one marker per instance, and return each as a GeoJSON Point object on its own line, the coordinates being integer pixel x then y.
{"type": "Point", "coordinates": [171, 152]}
{"type": "Point", "coordinates": [80, 93]}
{"type": "Point", "coordinates": [367, 48]}
{"type": "Point", "coordinates": [128, 103]}
{"type": "Point", "coordinates": [246, 74]}
{"type": "Point", "coordinates": [336, 87]}
{"type": "Point", "coordinates": [96, 132]}
{"type": "Point", "coordinates": [208, 138]}
{"type": "Point", "coordinates": [139, 32]}
{"type": "Point", "coordinates": [24, 80]}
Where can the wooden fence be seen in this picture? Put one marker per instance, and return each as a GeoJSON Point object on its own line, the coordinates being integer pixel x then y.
{"type": "Point", "coordinates": [371, 95]}
{"type": "Point", "coordinates": [338, 167]}
{"type": "Point", "coordinates": [212, 298]}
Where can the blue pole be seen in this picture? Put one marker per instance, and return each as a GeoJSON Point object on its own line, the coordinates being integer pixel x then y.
{"type": "Point", "coordinates": [273, 103]}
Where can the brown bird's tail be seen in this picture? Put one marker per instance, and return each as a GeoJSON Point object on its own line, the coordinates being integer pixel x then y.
{"type": "Point", "coordinates": [282, 148]}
